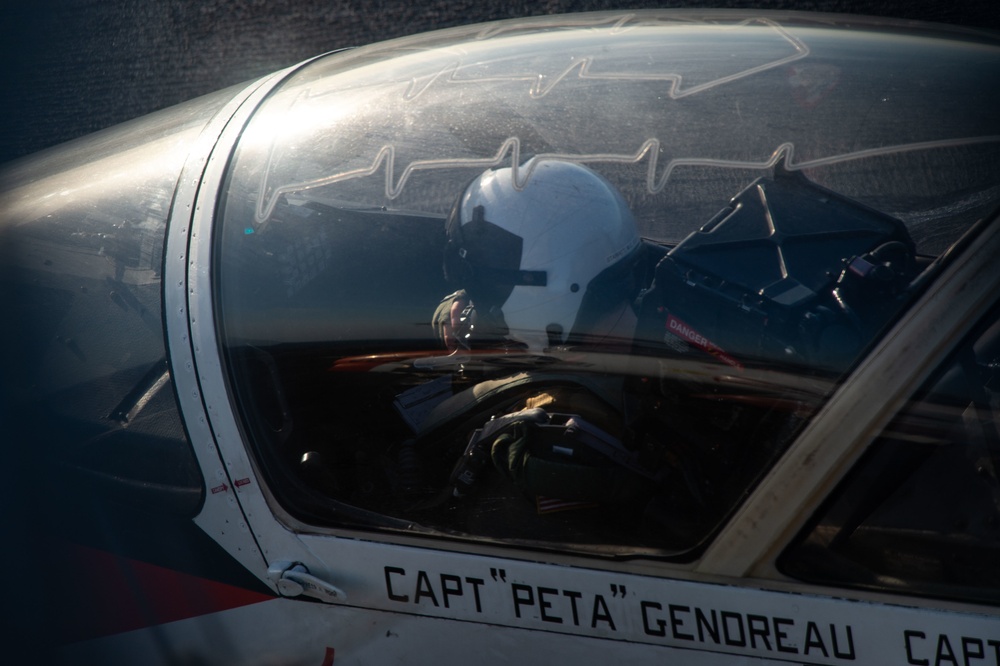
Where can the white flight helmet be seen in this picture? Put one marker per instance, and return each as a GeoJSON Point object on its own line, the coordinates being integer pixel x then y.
{"type": "Point", "coordinates": [529, 250]}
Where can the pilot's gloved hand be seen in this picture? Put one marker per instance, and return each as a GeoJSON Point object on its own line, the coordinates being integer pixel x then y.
{"type": "Point", "coordinates": [447, 319]}
{"type": "Point", "coordinates": [561, 470]}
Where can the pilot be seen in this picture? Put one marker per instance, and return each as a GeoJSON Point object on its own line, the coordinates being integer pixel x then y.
{"type": "Point", "coordinates": [549, 262]}
{"type": "Point", "coordinates": [548, 257]}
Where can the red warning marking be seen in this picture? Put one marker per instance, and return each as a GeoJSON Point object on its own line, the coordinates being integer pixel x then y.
{"type": "Point", "coordinates": [683, 330]}
{"type": "Point", "coordinates": [239, 483]}
{"type": "Point", "coordinates": [328, 659]}
{"type": "Point", "coordinates": [220, 489]}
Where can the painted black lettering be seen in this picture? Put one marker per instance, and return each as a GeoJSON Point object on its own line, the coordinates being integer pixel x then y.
{"type": "Point", "coordinates": [967, 649]}
{"type": "Point", "coordinates": [677, 622]}
{"type": "Point", "coordinates": [759, 627]}
{"type": "Point", "coordinates": [476, 582]}
{"type": "Point", "coordinates": [601, 613]}
{"type": "Point", "coordinates": [523, 596]}
{"type": "Point", "coordinates": [424, 589]}
{"type": "Point", "coordinates": [780, 635]}
{"type": "Point", "coordinates": [908, 637]}
{"type": "Point", "coordinates": [849, 654]}
{"type": "Point", "coordinates": [544, 604]}
{"type": "Point", "coordinates": [660, 625]}
{"type": "Point", "coordinates": [704, 626]}
{"type": "Point", "coordinates": [454, 590]}
{"type": "Point", "coordinates": [995, 644]}
{"type": "Point", "coordinates": [389, 571]}
{"type": "Point", "coordinates": [814, 639]}
{"type": "Point", "coordinates": [729, 621]}
{"type": "Point", "coordinates": [944, 651]}
{"type": "Point", "coordinates": [573, 596]}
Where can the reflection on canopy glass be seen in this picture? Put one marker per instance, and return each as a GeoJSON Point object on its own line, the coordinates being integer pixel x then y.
{"type": "Point", "coordinates": [667, 242]}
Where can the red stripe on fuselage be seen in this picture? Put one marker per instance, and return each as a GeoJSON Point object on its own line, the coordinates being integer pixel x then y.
{"type": "Point", "coordinates": [108, 594]}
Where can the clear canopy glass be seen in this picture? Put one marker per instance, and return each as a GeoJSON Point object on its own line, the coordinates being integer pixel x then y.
{"type": "Point", "coordinates": [835, 140]}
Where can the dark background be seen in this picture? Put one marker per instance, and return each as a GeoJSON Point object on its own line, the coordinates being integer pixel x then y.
{"type": "Point", "coordinates": [70, 67]}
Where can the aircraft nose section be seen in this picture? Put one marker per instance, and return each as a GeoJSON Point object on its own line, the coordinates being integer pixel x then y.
{"type": "Point", "coordinates": [84, 375]}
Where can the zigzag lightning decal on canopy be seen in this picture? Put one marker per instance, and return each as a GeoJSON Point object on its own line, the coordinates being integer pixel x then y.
{"type": "Point", "coordinates": [449, 74]}
{"type": "Point", "coordinates": [649, 150]}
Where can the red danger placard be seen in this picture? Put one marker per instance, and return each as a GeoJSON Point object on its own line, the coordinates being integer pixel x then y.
{"type": "Point", "coordinates": [684, 331]}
